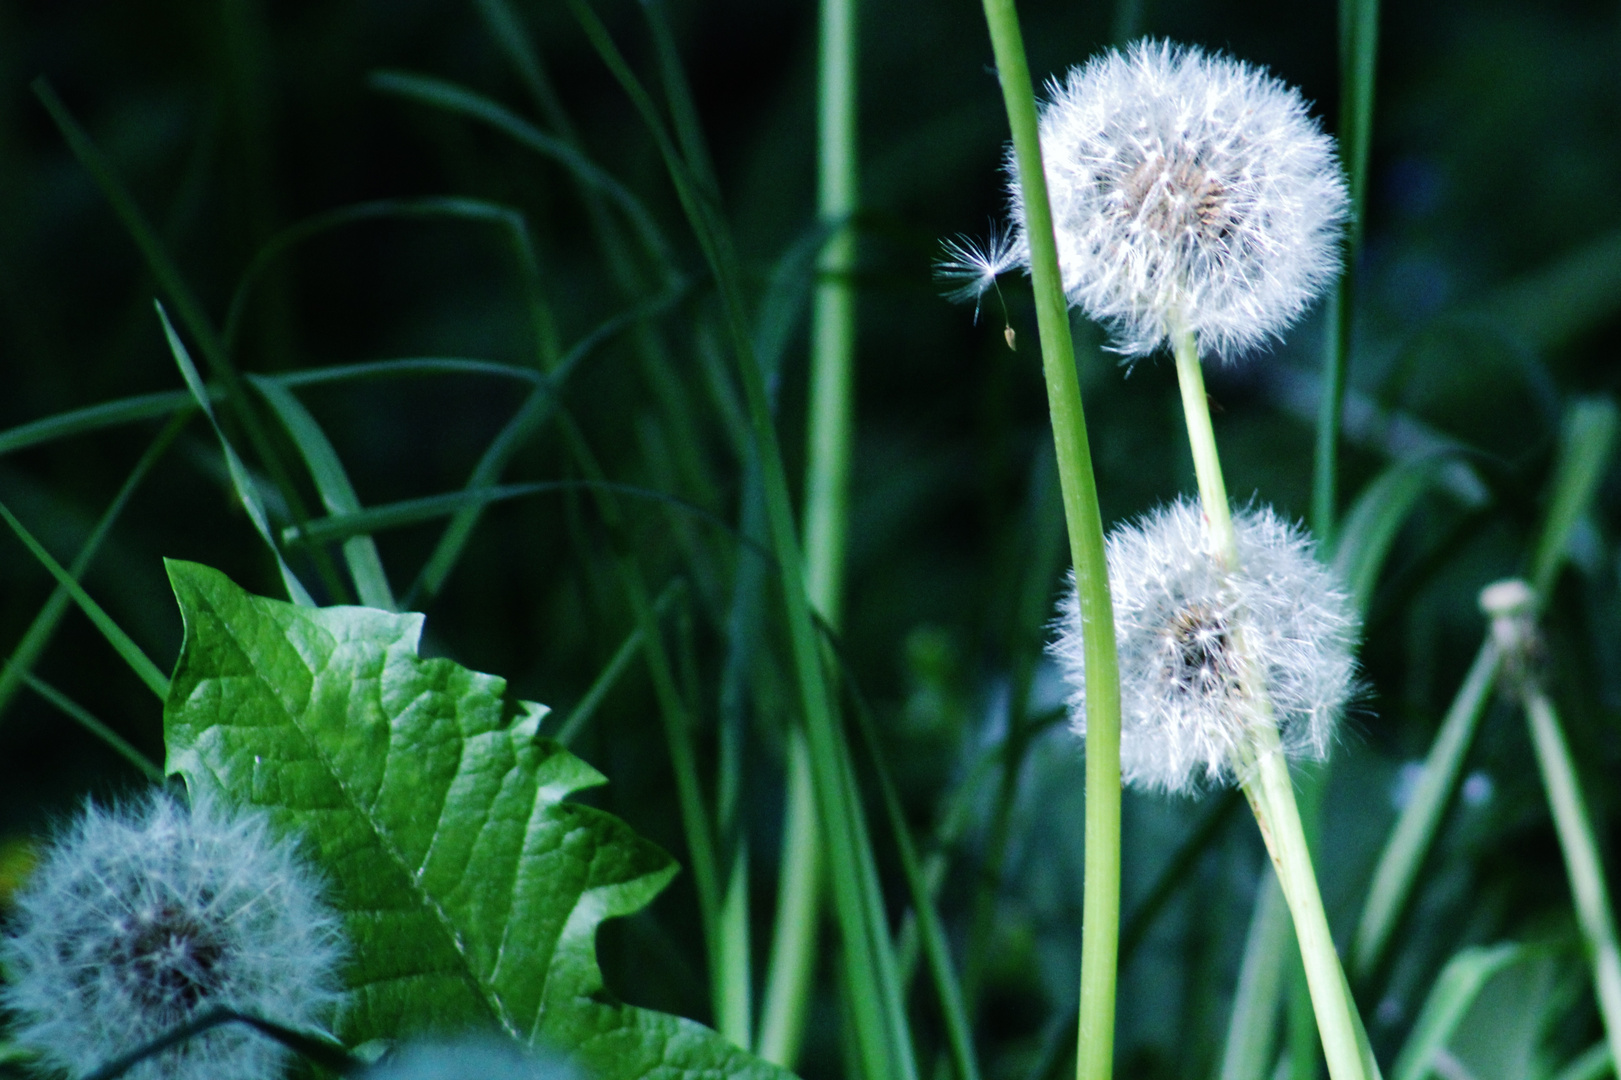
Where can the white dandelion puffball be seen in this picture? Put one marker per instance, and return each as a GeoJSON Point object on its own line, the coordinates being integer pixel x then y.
{"type": "Point", "coordinates": [142, 918]}
{"type": "Point", "coordinates": [1181, 619]}
{"type": "Point", "coordinates": [1188, 189]}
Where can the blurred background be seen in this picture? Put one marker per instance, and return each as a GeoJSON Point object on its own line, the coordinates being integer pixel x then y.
{"type": "Point", "coordinates": [1488, 299]}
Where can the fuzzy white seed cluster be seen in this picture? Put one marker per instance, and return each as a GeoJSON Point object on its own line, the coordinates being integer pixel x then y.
{"type": "Point", "coordinates": [1188, 190]}
{"type": "Point", "coordinates": [142, 918]}
{"type": "Point", "coordinates": [1185, 627]}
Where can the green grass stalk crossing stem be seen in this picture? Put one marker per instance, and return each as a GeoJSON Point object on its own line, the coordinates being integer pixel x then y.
{"type": "Point", "coordinates": [1100, 921]}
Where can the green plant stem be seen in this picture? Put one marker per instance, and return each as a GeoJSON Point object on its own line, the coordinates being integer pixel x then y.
{"type": "Point", "coordinates": [827, 481]}
{"type": "Point", "coordinates": [1582, 861]}
{"type": "Point", "coordinates": [1416, 829]}
{"type": "Point", "coordinates": [793, 948]}
{"type": "Point", "coordinates": [1264, 769]}
{"type": "Point", "coordinates": [1270, 791]}
{"type": "Point", "coordinates": [1100, 924]}
{"type": "Point", "coordinates": [1202, 440]}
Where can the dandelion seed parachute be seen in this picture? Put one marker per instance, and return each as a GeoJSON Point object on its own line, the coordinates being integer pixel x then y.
{"type": "Point", "coordinates": [1180, 617]}
{"type": "Point", "coordinates": [1187, 189]}
{"type": "Point", "coordinates": [141, 918]}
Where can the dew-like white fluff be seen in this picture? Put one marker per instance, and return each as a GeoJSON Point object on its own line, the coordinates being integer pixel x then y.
{"type": "Point", "coordinates": [1186, 188]}
{"type": "Point", "coordinates": [141, 918]}
{"type": "Point", "coordinates": [1179, 616]}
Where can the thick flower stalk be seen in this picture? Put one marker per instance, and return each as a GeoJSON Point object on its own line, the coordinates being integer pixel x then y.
{"type": "Point", "coordinates": [1186, 628]}
{"type": "Point", "coordinates": [141, 919]}
{"type": "Point", "coordinates": [1190, 192]}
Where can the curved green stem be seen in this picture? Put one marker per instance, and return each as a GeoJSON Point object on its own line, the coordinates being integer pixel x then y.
{"type": "Point", "coordinates": [1202, 440]}
{"type": "Point", "coordinates": [1264, 770]}
{"type": "Point", "coordinates": [1100, 923]}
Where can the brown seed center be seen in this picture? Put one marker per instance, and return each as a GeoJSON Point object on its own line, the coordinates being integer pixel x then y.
{"type": "Point", "coordinates": [1174, 197]}
{"type": "Point", "coordinates": [1200, 659]}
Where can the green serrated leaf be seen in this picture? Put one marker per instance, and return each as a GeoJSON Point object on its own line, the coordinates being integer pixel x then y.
{"type": "Point", "coordinates": [471, 890]}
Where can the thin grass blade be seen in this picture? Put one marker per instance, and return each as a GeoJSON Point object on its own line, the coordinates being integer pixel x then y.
{"type": "Point", "coordinates": [121, 642]}
{"type": "Point", "coordinates": [948, 988]}
{"type": "Point", "coordinates": [1583, 862]}
{"type": "Point", "coordinates": [1454, 991]}
{"type": "Point", "coordinates": [446, 95]}
{"type": "Point", "coordinates": [1369, 530]}
{"type": "Point", "coordinates": [1587, 445]}
{"type": "Point", "coordinates": [1595, 1064]}
{"type": "Point", "coordinates": [337, 493]}
{"type": "Point", "coordinates": [95, 418]}
{"type": "Point", "coordinates": [529, 419]}
{"type": "Point", "coordinates": [245, 489]}
{"type": "Point", "coordinates": [32, 644]}
{"type": "Point", "coordinates": [1252, 1031]}
{"type": "Point", "coordinates": [87, 720]}
{"type": "Point", "coordinates": [608, 678]}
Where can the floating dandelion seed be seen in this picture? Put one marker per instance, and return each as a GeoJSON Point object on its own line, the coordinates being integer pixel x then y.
{"type": "Point", "coordinates": [141, 919]}
{"type": "Point", "coordinates": [1186, 628]}
{"type": "Point", "coordinates": [1188, 190]}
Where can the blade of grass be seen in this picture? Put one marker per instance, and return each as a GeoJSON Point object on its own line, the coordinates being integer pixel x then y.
{"type": "Point", "coordinates": [83, 717]}
{"type": "Point", "coordinates": [140, 407]}
{"type": "Point", "coordinates": [1583, 863]}
{"type": "Point", "coordinates": [1416, 828]}
{"type": "Point", "coordinates": [403, 367]}
{"type": "Point", "coordinates": [245, 489]}
{"type": "Point", "coordinates": [1175, 872]}
{"type": "Point", "coordinates": [94, 418]}
{"type": "Point", "coordinates": [32, 644]}
{"type": "Point", "coordinates": [446, 95]}
{"type": "Point", "coordinates": [673, 710]}
{"type": "Point", "coordinates": [1587, 445]}
{"type": "Point", "coordinates": [396, 515]}
{"type": "Point", "coordinates": [1100, 924]}
{"type": "Point", "coordinates": [1359, 45]}
{"type": "Point", "coordinates": [1269, 945]}
{"type": "Point", "coordinates": [608, 678]}
{"type": "Point", "coordinates": [337, 493]}
{"type": "Point", "coordinates": [947, 987]}
{"type": "Point", "coordinates": [670, 391]}
{"type": "Point", "coordinates": [529, 418]}
{"type": "Point", "coordinates": [829, 437]}
{"type": "Point", "coordinates": [1595, 1064]}
{"type": "Point", "coordinates": [1370, 528]}
{"type": "Point", "coordinates": [1454, 990]}
{"type": "Point", "coordinates": [173, 285]}
{"type": "Point", "coordinates": [454, 207]}
{"type": "Point", "coordinates": [121, 642]}
{"type": "Point", "coordinates": [882, 1042]}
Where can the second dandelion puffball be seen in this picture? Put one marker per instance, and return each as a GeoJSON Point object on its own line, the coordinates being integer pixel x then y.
{"type": "Point", "coordinates": [142, 918]}
{"type": "Point", "coordinates": [1189, 631]}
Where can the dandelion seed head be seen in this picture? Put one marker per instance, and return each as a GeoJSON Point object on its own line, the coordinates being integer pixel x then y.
{"type": "Point", "coordinates": [141, 918]}
{"type": "Point", "coordinates": [1187, 189]}
{"type": "Point", "coordinates": [1186, 629]}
